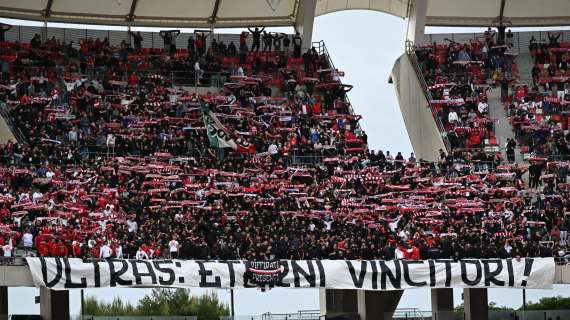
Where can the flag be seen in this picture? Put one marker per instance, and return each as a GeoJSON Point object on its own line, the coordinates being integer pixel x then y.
{"type": "Point", "coordinates": [219, 136]}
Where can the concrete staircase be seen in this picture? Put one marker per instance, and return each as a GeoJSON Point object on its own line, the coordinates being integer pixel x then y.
{"type": "Point", "coordinates": [503, 129]}
{"type": "Point", "coordinates": [524, 63]}
{"type": "Point", "coordinates": [497, 112]}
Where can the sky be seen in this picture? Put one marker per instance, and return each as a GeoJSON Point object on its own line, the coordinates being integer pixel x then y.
{"type": "Point", "coordinates": [365, 45]}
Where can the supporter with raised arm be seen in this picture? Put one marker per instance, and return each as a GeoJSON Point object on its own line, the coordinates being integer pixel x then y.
{"type": "Point", "coordinates": [169, 38]}
{"type": "Point", "coordinates": [137, 38]}
{"type": "Point", "coordinates": [267, 41]}
{"type": "Point", "coordinates": [256, 34]}
{"type": "Point", "coordinates": [553, 39]}
{"type": "Point", "coordinates": [3, 29]}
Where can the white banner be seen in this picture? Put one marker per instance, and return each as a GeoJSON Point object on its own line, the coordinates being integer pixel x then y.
{"type": "Point", "coordinates": [63, 273]}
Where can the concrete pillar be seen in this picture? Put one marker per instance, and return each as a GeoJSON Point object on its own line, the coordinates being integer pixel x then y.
{"type": "Point", "coordinates": [3, 302]}
{"type": "Point", "coordinates": [476, 304]}
{"type": "Point", "coordinates": [54, 305]}
{"type": "Point", "coordinates": [337, 301]}
{"type": "Point", "coordinates": [417, 21]}
{"type": "Point", "coordinates": [379, 305]}
{"type": "Point", "coordinates": [442, 304]}
{"type": "Point", "coordinates": [304, 22]}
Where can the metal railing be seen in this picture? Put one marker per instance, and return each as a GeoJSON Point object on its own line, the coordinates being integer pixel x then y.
{"type": "Point", "coordinates": [411, 314]}
{"type": "Point", "coordinates": [419, 73]}
{"type": "Point", "coordinates": [152, 40]}
{"type": "Point", "coordinates": [520, 40]}
{"type": "Point", "coordinates": [187, 78]}
{"type": "Point", "coordinates": [90, 317]}
{"type": "Point", "coordinates": [299, 315]}
{"type": "Point", "coordinates": [322, 50]}
{"type": "Point", "coordinates": [21, 261]}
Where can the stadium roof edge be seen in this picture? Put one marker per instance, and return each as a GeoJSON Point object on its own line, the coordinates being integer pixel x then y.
{"type": "Point", "coordinates": [233, 13]}
{"type": "Point", "coordinates": [485, 22]}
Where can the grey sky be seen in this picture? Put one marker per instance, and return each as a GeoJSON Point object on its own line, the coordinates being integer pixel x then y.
{"type": "Point", "coordinates": [365, 45]}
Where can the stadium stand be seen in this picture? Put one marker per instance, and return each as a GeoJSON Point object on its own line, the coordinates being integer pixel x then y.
{"type": "Point", "coordinates": [113, 160]}
{"type": "Point", "coordinates": [537, 108]}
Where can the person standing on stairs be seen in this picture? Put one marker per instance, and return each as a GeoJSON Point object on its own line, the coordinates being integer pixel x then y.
{"type": "Point", "coordinates": [510, 146]}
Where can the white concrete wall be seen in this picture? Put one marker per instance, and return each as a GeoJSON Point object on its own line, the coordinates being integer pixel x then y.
{"type": "Point", "coordinates": [420, 123]}
{"type": "Point", "coordinates": [6, 133]}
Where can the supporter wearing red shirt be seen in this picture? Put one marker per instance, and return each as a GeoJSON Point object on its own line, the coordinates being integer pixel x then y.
{"type": "Point", "coordinates": [133, 79]}
{"type": "Point", "coordinates": [76, 249]}
{"type": "Point", "coordinates": [243, 37]}
{"type": "Point", "coordinates": [62, 250]}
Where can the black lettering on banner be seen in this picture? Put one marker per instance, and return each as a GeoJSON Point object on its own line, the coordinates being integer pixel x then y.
{"type": "Point", "coordinates": [139, 275]}
{"type": "Point", "coordinates": [464, 274]}
{"type": "Point", "coordinates": [231, 270]}
{"type": "Point", "coordinates": [69, 282]}
{"type": "Point", "coordinates": [97, 276]}
{"type": "Point", "coordinates": [384, 275]}
{"type": "Point", "coordinates": [204, 273]}
{"type": "Point", "coordinates": [431, 273]}
{"type": "Point", "coordinates": [285, 265]}
{"type": "Point", "coordinates": [374, 274]}
{"type": "Point", "coordinates": [169, 271]}
{"type": "Point", "coordinates": [511, 272]}
{"type": "Point", "coordinates": [447, 271]}
{"type": "Point", "coordinates": [407, 277]}
{"type": "Point", "coordinates": [360, 281]}
{"type": "Point", "coordinates": [395, 277]}
{"type": "Point", "coordinates": [527, 269]}
{"type": "Point", "coordinates": [115, 278]}
{"type": "Point", "coordinates": [58, 272]}
{"type": "Point", "coordinates": [310, 276]}
{"type": "Point", "coordinates": [322, 276]}
{"type": "Point", "coordinates": [490, 275]}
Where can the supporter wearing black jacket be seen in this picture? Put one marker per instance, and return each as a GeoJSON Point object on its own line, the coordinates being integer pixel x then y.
{"type": "Point", "coordinates": [256, 33]}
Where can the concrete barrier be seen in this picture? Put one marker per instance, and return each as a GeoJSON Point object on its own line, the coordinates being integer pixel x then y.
{"type": "Point", "coordinates": [420, 123]}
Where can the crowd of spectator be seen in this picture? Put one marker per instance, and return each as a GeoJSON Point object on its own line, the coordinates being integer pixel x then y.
{"type": "Point", "coordinates": [539, 110]}
{"type": "Point", "coordinates": [114, 162]}
{"type": "Point", "coordinates": [459, 77]}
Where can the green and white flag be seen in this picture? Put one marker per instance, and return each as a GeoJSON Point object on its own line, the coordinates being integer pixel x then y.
{"type": "Point", "coordinates": [219, 136]}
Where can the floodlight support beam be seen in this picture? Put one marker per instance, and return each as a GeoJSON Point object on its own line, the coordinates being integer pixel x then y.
{"type": "Point", "coordinates": [131, 15]}
{"type": "Point", "coordinates": [47, 10]}
{"type": "Point", "coordinates": [214, 16]}
{"type": "Point", "coordinates": [502, 12]}
{"type": "Point", "coordinates": [417, 21]}
{"type": "Point", "coordinates": [304, 22]}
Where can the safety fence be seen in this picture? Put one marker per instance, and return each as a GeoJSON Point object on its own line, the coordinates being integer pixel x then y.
{"type": "Point", "coordinates": [116, 37]}
{"type": "Point", "coordinates": [88, 317]}
{"type": "Point", "coordinates": [520, 40]}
